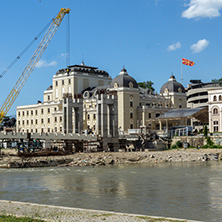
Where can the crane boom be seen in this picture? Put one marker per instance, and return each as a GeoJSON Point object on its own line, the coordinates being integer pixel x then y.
{"type": "Point", "coordinates": [32, 62]}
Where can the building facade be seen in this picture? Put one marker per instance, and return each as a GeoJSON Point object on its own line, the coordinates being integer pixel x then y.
{"type": "Point", "coordinates": [197, 93]}
{"type": "Point", "coordinates": [85, 98]}
{"type": "Point", "coordinates": [215, 109]}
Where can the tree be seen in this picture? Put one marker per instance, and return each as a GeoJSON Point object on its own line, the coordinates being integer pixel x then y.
{"type": "Point", "coordinates": [216, 80]}
{"type": "Point", "coordinates": [205, 130]}
{"type": "Point", "coordinates": [146, 85]}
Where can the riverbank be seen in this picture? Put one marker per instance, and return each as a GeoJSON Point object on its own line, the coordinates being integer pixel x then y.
{"type": "Point", "coordinates": [55, 213]}
{"type": "Point", "coordinates": [98, 159]}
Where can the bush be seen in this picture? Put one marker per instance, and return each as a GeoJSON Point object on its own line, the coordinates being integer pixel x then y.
{"type": "Point", "coordinates": [173, 146]}
{"type": "Point", "coordinates": [209, 141]}
{"type": "Point", "coordinates": [179, 144]}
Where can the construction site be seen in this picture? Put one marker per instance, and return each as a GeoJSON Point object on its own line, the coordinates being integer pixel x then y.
{"type": "Point", "coordinates": [85, 110]}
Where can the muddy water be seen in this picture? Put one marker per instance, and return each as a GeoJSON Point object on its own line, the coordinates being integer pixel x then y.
{"type": "Point", "coordinates": [181, 190]}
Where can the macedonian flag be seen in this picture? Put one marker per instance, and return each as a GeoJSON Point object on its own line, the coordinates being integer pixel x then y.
{"type": "Point", "coordinates": [187, 62]}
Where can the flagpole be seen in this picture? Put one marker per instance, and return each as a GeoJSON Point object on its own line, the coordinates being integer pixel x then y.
{"type": "Point", "coordinates": [181, 73]}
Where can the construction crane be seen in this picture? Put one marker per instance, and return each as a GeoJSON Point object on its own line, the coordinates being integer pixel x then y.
{"type": "Point", "coordinates": [32, 62]}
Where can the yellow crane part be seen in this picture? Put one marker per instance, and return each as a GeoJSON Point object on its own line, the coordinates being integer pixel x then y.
{"type": "Point", "coordinates": [32, 62]}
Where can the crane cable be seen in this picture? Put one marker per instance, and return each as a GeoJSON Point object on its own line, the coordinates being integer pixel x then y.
{"type": "Point", "coordinates": [24, 50]}
{"type": "Point", "coordinates": [68, 42]}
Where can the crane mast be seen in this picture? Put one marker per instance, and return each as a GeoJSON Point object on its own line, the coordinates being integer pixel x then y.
{"type": "Point", "coordinates": [32, 62]}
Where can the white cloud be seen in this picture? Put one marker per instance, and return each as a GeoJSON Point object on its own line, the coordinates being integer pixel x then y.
{"type": "Point", "coordinates": [43, 63]}
{"type": "Point", "coordinates": [174, 46]}
{"type": "Point", "coordinates": [202, 8]}
{"type": "Point", "coordinates": [199, 46]}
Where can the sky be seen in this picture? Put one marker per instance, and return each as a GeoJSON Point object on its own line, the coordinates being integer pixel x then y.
{"type": "Point", "coordinates": [148, 37]}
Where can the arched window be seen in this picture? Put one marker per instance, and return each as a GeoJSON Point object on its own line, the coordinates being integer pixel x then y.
{"type": "Point", "coordinates": [215, 111]}
{"type": "Point", "coordinates": [215, 98]}
{"type": "Point", "coordinates": [220, 97]}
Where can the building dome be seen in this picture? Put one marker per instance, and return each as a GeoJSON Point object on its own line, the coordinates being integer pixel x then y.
{"type": "Point", "coordinates": [123, 80]}
{"type": "Point", "coordinates": [172, 86]}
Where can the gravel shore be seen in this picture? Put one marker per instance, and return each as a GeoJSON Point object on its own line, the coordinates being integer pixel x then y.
{"type": "Point", "coordinates": [66, 214]}
{"type": "Point", "coordinates": [97, 159]}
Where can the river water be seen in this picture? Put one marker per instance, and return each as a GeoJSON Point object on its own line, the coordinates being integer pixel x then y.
{"type": "Point", "coordinates": [181, 190]}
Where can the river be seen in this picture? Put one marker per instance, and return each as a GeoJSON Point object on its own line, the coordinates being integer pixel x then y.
{"type": "Point", "coordinates": [181, 190]}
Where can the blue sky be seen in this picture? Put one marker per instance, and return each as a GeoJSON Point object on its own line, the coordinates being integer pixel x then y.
{"type": "Point", "coordinates": [148, 37]}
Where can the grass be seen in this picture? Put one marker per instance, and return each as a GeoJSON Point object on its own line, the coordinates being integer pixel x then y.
{"type": "Point", "coordinates": [4, 218]}
{"type": "Point", "coordinates": [150, 219]}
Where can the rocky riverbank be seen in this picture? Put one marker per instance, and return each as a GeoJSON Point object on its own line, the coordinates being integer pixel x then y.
{"type": "Point", "coordinates": [98, 159]}
{"type": "Point", "coordinates": [55, 213]}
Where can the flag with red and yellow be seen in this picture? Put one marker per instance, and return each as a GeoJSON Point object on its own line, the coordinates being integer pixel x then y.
{"type": "Point", "coordinates": [187, 62]}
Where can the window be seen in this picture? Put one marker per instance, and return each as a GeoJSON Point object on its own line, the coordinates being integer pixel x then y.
{"type": "Point", "coordinates": [131, 126]}
{"type": "Point", "coordinates": [48, 110]}
{"type": "Point", "coordinates": [157, 114]}
{"type": "Point", "coordinates": [60, 129]}
{"type": "Point", "coordinates": [94, 127]}
{"type": "Point", "coordinates": [42, 121]}
{"type": "Point", "coordinates": [55, 109]}
{"type": "Point", "coordinates": [62, 82]}
{"type": "Point", "coordinates": [19, 122]}
{"type": "Point", "coordinates": [55, 119]}
{"type": "Point", "coordinates": [56, 83]}
{"type": "Point", "coordinates": [215, 98]}
{"type": "Point", "coordinates": [94, 116]}
{"type": "Point", "coordinates": [60, 118]}
{"type": "Point", "coordinates": [55, 129]}
{"type": "Point", "coordinates": [69, 81]}
{"type": "Point", "coordinates": [48, 120]}
{"type": "Point", "coordinates": [31, 121]}
{"type": "Point", "coordinates": [220, 97]}
{"type": "Point", "coordinates": [36, 130]}
{"type": "Point", "coordinates": [215, 111]}
{"type": "Point", "coordinates": [88, 116]}
{"type": "Point", "coordinates": [48, 98]}
{"type": "Point", "coordinates": [131, 115]}
{"type": "Point", "coordinates": [23, 113]}
{"type": "Point", "coordinates": [42, 111]}
{"type": "Point", "coordinates": [149, 115]}
{"type": "Point", "coordinates": [27, 113]}
{"type": "Point", "coordinates": [18, 113]}
{"type": "Point", "coordinates": [215, 124]}
{"type": "Point", "coordinates": [36, 112]}
{"type": "Point", "coordinates": [31, 112]}
{"type": "Point", "coordinates": [36, 121]}
{"type": "Point", "coordinates": [48, 130]}
{"type": "Point", "coordinates": [27, 122]}
{"type": "Point", "coordinates": [131, 103]}
{"type": "Point", "coordinates": [23, 122]}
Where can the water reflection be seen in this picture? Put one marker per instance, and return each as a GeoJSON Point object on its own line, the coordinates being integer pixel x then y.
{"type": "Point", "coordinates": [183, 190]}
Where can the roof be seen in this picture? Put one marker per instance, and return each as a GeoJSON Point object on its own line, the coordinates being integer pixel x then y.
{"type": "Point", "coordinates": [172, 86]}
{"type": "Point", "coordinates": [84, 69]}
{"type": "Point", "coordinates": [123, 80]}
{"type": "Point", "coordinates": [175, 114]}
{"type": "Point", "coordinates": [49, 88]}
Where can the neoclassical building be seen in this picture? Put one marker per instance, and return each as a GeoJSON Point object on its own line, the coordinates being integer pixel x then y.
{"type": "Point", "coordinates": [86, 98]}
{"type": "Point", "coordinates": [215, 109]}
